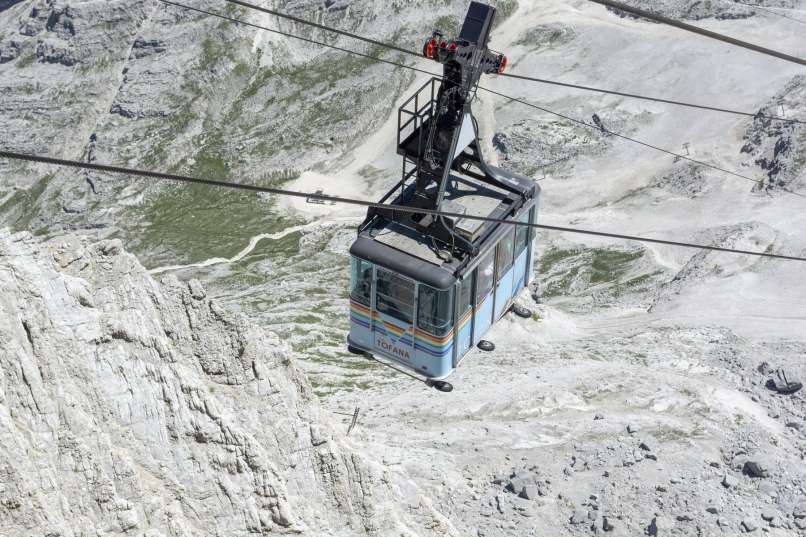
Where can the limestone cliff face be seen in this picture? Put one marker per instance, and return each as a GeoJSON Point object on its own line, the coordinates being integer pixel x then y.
{"type": "Point", "coordinates": [132, 406]}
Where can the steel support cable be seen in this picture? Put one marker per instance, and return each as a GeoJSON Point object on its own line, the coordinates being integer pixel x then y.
{"type": "Point", "coordinates": [322, 26]}
{"type": "Point", "coordinates": [639, 142]}
{"type": "Point", "coordinates": [404, 66]}
{"type": "Point", "coordinates": [364, 203]}
{"type": "Point", "coordinates": [697, 30]}
{"type": "Point", "coordinates": [510, 75]}
{"type": "Point", "coordinates": [306, 39]}
{"type": "Point", "coordinates": [653, 99]}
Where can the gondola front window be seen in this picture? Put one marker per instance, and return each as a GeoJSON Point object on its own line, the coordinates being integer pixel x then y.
{"type": "Point", "coordinates": [394, 295]}
{"type": "Point", "coordinates": [435, 310]}
{"type": "Point", "coordinates": [360, 281]}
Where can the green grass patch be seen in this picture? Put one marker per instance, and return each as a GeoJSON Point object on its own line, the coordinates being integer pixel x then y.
{"type": "Point", "coordinates": [552, 257]}
{"type": "Point", "coordinates": [190, 223]}
{"type": "Point", "coordinates": [20, 209]}
{"type": "Point", "coordinates": [609, 265]}
{"type": "Point", "coordinates": [213, 50]}
{"type": "Point", "coordinates": [544, 37]}
{"type": "Point", "coordinates": [565, 270]}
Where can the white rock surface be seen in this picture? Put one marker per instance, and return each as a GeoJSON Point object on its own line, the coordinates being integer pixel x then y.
{"type": "Point", "coordinates": [132, 406]}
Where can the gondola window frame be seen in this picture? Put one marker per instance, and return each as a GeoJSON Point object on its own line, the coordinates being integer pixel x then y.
{"type": "Point", "coordinates": [357, 264]}
{"type": "Point", "coordinates": [402, 315]}
{"type": "Point", "coordinates": [487, 261]}
{"type": "Point", "coordinates": [504, 260]}
{"type": "Point", "coordinates": [426, 325]}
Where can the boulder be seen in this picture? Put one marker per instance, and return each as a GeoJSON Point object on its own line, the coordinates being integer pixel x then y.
{"type": "Point", "coordinates": [749, 525]}
{"type": "Point", "coordinates": [517, 484]}
{"type": "Point", "coordinates": [757, 468]}
{"type": "Point", "coordinates": [530, 492]}
{"type": "Point", "coordinates": [784, 382]}
{"type": "Point", "coordinates": [659, 525]}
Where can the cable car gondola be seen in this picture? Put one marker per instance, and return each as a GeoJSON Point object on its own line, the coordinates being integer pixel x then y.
{"type": "Point", "coordinates": [425, 288]}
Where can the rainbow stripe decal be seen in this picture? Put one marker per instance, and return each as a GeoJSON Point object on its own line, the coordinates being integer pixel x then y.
{"type": "Point", "coordinates": [360, 315]}
{"type": "Point", "coordinates": [437, 346]}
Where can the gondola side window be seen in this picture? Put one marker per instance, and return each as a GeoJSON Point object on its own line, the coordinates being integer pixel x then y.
{"type": "Point", "coordinates": [394, 295]}
{"type": "Point", "coordinates": [484, 278]}
{"type": "Point", "coordinates": [435, 310]}
{"type": "Point", "coordinates": [465, 294]}
{"type": "Point", "coordinates": [504, 258]}
{"type": "Point", "coordinates": [521, 236]}
{"type": "Point", "coordinates": [360, 281]}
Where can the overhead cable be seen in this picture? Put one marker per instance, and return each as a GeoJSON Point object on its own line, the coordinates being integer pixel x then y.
{"type": "Point", "coordinates": [697, 30]}
{"type": "Point", "coordinates": [510, 75]}
{"type": "Point", "coordinates": [365, 203]}
{"type": "Point", "coordinates": [301, 38]}
{"type": "Point", "coordinates": [405, 66]}
{"type": "Point", "coordinates": [757, 115]}
{"type": "Point", "coordinates": [322, 26]}
{"type": "Point", "coordinates": [639, 142]}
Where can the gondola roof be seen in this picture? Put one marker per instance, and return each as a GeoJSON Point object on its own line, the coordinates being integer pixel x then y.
{"type": "Point", "coordinates": [403, 250]}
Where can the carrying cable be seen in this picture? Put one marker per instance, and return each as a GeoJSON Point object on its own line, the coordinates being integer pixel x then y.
{"type": "Point", "coordinates": [758, 115]}
{"type": "Point", "coordinates": [307, 40]}
{"type": "Point", "coordinates": [321, 26]}
{"type": "Point", "coordinates": [364, 203]}
{"type": "Point", "coordinates": [510, 75]}
{"type": "Point", "coordinates": [639, 142]}
{"type": "Point", "coordinates": [405, 66]}
{"type": "Point", "coordinates": [697, 30]}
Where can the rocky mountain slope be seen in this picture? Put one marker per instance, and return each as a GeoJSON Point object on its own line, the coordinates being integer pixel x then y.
{"type": "Point", "coordinates": [156, 86]}
{"type": "Point", "coordinates": [134, 407]}
{"type": "Point", "coordinates": [633, 402]}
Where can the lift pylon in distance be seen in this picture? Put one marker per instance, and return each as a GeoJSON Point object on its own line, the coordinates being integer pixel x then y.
{"type": "Point", "coordinates": [424, 288]}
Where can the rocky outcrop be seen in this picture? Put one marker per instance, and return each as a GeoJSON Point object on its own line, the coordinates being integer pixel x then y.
{"type": "Point", "coordinates": [777, 147]}
{"type": "Point", "coordinates": [5, 4]}
{"type": "Point", "coordinates": [132, 406]}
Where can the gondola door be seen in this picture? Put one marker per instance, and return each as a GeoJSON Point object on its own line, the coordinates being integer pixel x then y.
{"type": "Point", "coordinates": [504, 273]}
{"type": "Point", "coordinates": [521, 255]}
{"type": "Point", "coordinates": [464, 316]}
{"type": "Point", "coordinates": [483, 316]}
{"type": "Point", "coordinates": [393, 316]}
